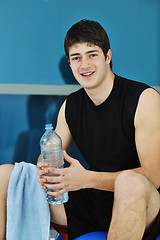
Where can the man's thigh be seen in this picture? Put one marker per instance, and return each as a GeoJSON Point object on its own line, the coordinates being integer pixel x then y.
{"type": "Point", "coordinates": [5, 173]}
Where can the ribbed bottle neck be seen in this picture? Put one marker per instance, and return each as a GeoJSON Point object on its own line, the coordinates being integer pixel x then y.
{"type": "Point", "coordinates": [48, 127]}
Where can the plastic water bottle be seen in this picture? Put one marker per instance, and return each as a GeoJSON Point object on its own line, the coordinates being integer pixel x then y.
{"type": "Point", "coordinates": [51, 151]}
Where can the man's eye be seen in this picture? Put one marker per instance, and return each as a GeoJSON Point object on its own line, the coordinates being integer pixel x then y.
{"type": "Point", "coordinates": [75, 58]}
{"type": "Point", "coordinates": [93, 55]}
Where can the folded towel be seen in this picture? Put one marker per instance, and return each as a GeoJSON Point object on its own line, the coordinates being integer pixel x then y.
{"type": "Point", "coordinates": [28, 215]}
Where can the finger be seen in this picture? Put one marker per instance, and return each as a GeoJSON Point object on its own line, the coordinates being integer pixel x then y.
{"type": "Point", "coordinates": [56, 193]}
{"type": "Point", "coordinates": [42, 164]}
{"type": "Point", "coordinates": [52, 180]}
{"type": "Point", "coordinates": [68, 158]}
{"type": "Point", "coordinates": [54, 187]}
{"type": "Point", "coordinates": [56, 171]}
{"type": "Point", "coordinates": [43, 187]}
{"type": "Point", "coordinates": [42, 180]}
{"type": "Point", "coordinates": [42, 172]}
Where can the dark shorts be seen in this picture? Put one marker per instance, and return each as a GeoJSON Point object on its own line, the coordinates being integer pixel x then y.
{"type": "Point", "coordinates": [90, 210]}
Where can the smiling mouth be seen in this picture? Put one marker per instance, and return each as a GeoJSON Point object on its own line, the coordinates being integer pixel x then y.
{"type": "Point", "coordinates": [87, 74]}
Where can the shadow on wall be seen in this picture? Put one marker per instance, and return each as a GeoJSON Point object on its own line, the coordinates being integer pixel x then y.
{"type": "Point", "coordinates": [66, 72]}
{"type": "Point", "coordinates": [41, 110]}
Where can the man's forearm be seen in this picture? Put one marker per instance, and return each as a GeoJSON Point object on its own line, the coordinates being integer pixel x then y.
{"type": "Point", "coordinates": [106, 180]}
{"type": "Point", "coordinates": [101, 180]}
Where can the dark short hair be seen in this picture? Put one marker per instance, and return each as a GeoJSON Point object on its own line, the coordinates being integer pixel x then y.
{"type": "Point", "coordinates": [87, 31]}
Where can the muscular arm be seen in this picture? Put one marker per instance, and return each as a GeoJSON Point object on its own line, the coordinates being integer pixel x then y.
{"type": "Point", "coordinates": [147, 137]}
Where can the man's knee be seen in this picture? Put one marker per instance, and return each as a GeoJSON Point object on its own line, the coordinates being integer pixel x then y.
{"type": "Point", "coordinates": [129, 184]}
{"type": "Point", "coordinates": [5, 173]}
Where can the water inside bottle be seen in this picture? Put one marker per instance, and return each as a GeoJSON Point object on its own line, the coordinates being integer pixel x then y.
{"type": "Point", "coordinates": [58, 199]}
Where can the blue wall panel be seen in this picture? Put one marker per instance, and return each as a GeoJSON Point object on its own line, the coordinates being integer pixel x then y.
{"type": "Point", "coordinates": [33, 31]}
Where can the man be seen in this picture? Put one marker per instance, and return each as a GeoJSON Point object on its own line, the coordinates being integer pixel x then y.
{"type": "Point", "coordinates": [115, 123]}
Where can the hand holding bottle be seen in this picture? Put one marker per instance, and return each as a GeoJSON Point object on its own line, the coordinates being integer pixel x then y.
{"type": "Point", "coordinates": [52, 154]}
{"type": "Point", "coordinates": [72, 178]}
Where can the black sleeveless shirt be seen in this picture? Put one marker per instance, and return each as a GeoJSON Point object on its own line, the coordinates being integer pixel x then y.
{"type": "Point", "coordinates": [105, 134]}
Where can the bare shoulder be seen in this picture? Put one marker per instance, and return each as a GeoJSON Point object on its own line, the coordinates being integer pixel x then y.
{"type": "Point", "coordinates": [149, 96]}
{"type": "Point", "coordinates": [148, 108]}
{"type": "Point", "coordinates": [62, 128]}
{"type": "Point", "coordinates": [62, 109]}
{"type": "Point", "coordinates": [61, 116]}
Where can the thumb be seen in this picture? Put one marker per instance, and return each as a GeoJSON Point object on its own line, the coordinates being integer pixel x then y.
{"type": "Point", "coordinates": [67, 157]}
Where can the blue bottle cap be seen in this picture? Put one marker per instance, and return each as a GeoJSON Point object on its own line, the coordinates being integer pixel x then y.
{"type": "Point", "coordinates": [48, 126]}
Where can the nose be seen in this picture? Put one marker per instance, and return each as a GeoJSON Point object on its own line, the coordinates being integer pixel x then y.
{"type": "Point", "coordinates": [85, 63]}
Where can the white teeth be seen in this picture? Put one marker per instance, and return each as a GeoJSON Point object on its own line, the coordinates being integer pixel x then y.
{"type": "Point", "coordinates": [86, 74]}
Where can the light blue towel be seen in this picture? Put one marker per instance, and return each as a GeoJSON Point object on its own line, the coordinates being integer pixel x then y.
{"type": "Point", "coordinates": [28, 216]}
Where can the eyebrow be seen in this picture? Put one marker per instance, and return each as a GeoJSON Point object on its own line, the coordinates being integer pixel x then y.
{"type": "Point", "coordinates": [76, 54]}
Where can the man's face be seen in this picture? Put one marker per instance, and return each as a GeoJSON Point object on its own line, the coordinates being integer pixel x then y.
{"type": "Point", "coordinates": [88, 64]}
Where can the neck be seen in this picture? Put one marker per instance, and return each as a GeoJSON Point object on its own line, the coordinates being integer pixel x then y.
{"type": "Point", "coordinates": [99, 94]}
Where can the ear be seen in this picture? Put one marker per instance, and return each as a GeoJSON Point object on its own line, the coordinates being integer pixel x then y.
{"type": "Point", "coordinates": [109, 55]}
